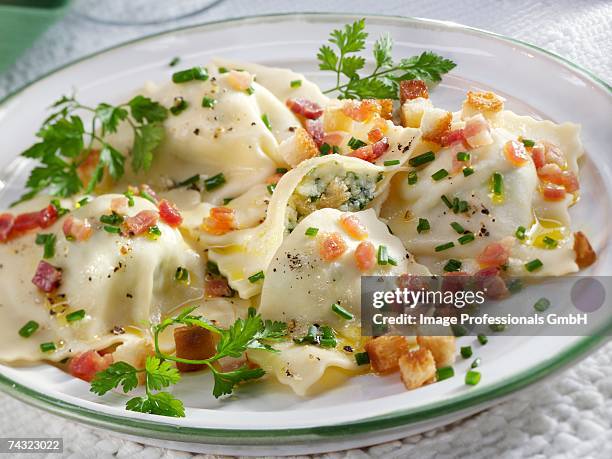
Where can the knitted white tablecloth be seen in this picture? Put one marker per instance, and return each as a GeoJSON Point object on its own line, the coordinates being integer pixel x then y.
{"type": "Point", "coordinates": [568, 416]}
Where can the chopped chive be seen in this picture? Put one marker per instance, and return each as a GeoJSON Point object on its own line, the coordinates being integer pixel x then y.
{"type": "Point", "coordinates": [181, 274]}
{"type": "Point", "coordinates": [175, 60]}
{"type": "Point", "coordinates": [528, 143]}
{"type": "Point", "coordinates": [266, 121]}
{"type": "Point", "coordinates": [212, 267]}
{"type": "Point", "coordinates": [111, 219]}
{"type": "Point", "coordinates": [463, 207]}
{"type": "Point", "coordinates": [455, 205]}
{"type": "Point", "coordinates": [423, 225]}
{"type": "Point", "coordinates": [441, 247]}
{"type": "Point", "coordinates": [457, 227]}
{"type": "Point", "coordinates": [444, 373]}
{"type": "Point", "coordinates": [463, 156]}
{"type": "Point", "coordinates": [325, 149]}
{"type": "Point", "coordinates": [82, 202]}
{"type": "Point", "coordinates": [227, 200]}
{"type": "Point", "coordinates": [542, 304]}
{"type": "Point", "coordinates": [48, 241]}
{"type": "Point", "coordinates": [498, 183]}
{"type": "Point", "coordinates": [28, 329]}
{"type": "Point", "coordinates": [392, 162]}
{"type": "Point", "coordinates": [311, 231]}
{"type": "Point", "coordinates": [446, 201]}
{"type": "Point", "coordinates": [475, 363]}
{"type": "Point", "coordinates": [439, 175]}
{"type": "Point", "coordinates": [188, 181]}
{"type": "Point", "coordinates": [295, 83]}
{"type": "Point", "coordinates": [208, 102]}
{"type": "Point", "coordinates": [412, 178]}
{"type": "Point", "coordinates": [422, 159]}
{"type": "Point", "coordinates": [362, 358]}
{"type": "Point", "coordinates": [76, 315]}
{"type": "Point", "coordinates": [515, 285]}
{"type": "Point", "coordinates": [392, 261]}
{"type": "Point", "coordinates": [112, 229]}
{"type": "Point", "coordinates": [382, 257]}
{"type": "Point", "coordinates": [154, 233]}
{"type": "Point", "coordinates": [61, 211]}
{"type": "Point", "coordinates": [223, 70]}
{"type": "Point", "coordinates": [498, 328]}
{"type": "Point", "coordinates": [483, 339]}
{"type": "Point", "coordinates": [533, 265]}
{"type": "Point", "coordinates": [250, 90]}
{"type": "Point", "coordinates": [466, 352]}
{"type": "Point", "coordinates": [458, 330]}
{"type": "Point", "coordinates": [452, 266]}
{"type": "Point", "coordinates": [550, 242]}
{"type": "Point", "coordinates": [354, 143]}
{"type": "Point", "coordinates": [271, 187]}
{"type": "Point", "coordinates": [520, 233]}
{"type": "Point", "coordinates": [47, 347]}
{"type": "Point", "coordinates": [130, 197]}
{"type": "Point", "coordinates": [467, 171]}
{"type": "Point", "coordinates": [342, 312]}
{"type": "Point", "coordinates": [472, 378]}
{"type": "Point", "coordinates": [336, 150]}
{"type": "Point", "coordinates": [256, 277]}
{"type": "Point", "coordinates": [148, 197]}
{"type": "Point", "coordinates": [179, 106]}
{"type": "Point", "coordinates": [281, 170]}
{"type": "Point", "coordinates": [214, 182]}
{"type": "Point", "coordinates": [466, 238]}
{"type": "Point", "coordinates": [194, 73]}
{"type": "Point", "coordinates": [328, 339]}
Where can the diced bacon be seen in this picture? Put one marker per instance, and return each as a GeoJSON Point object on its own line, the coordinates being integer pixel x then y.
{"type": "Point", "coordinates": [221, 220]}
{"type": "Point", "coordinates": [227, 363]}
{"type": "Point", "coordinates": [411, 89]}
{"type": "Point", "coordinates": [315, 129]}
{"type": "Point", "coordinates": [379, 148]}
{"type": "Point", "coordinates": [455, 281]}
{"type": "Point", "coordinates": [553, 154]}
{"type": "Point", "coordinates": [490, 281]}
{"type": "Point", "coordinates": [140, 223]}
{"type": "Point", "coordinates": [47, 277]}
{"type": "Point", "coordinates": [47, 216]}
{"type": "Point", "coordinates": [372, 152]}
{"type": "Point", "coordinates": [240, 81]}
{"type": "Point", "coordinates": [551, 173]}
{"type": "Point", "coordinates": [375, 135]}
{"type": "Point", "coordinates": [453, 137]}
{"type": "Point", "coordinates": [412, 282]}
{"type": "Point", "coordinates": [538, 155]}
{"type": "Point", "coordinates": [217, 287]}
{"type": "Point", "coordinates": [86, 364]}
{"type": "Point", "coordinates": [585, 255]}
{"type": "Point", "coordinates": [386, 108]}
{"type": "Point", "coordinates": [274, 178]}
{"type": "Point", "coordinates": [77, 229]}
{"type": "Point", "coordinates": [362, 110]}
{"type": "Point", "coordinates": [119, 205]}
{"type": "Point", "coordinates": [169, 214]}
{"type": "Point", "coordinates": [553, 192]}
{"type": "Point", "coordinates": [6, 225]}
{"type": "Point", "coordinates": [495, 254]}
{"type": "Point", "coordinates": [335, 138]}
{"type": "Point", "coordinates": [331, 246]}
{"type": "Point", "coordinates": [353, 227]}
{"type": "Point", "coordinates": [515, 153]}
{"type": "Point", "coordinates": [365, 256]}
{"type": "Point", "coordinates": [305, 108]}
{"type": "Point", "coordinates": [570, 182]}
{"type": "Point", "coordinates": [476, 132]}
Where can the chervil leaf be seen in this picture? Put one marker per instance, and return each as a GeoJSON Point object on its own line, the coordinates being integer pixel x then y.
{"type": "Point", "coordinates": [160, 373]}
{"type": "Point", "coordinates": [351, 38]}
{"type": "Point", "coordinates": [112, 159]}
{"type": "Point", "coordinates": [119, 373]}
{"type": "Point", "coordinates": [110, 117]}
{"type": "Point", "coordinates": [427, 66]}
{"type": "Point", "coordinates": [239, 336]}
{"type": "Point", "coordinates": [273, 330]}
{"type": "Point", "coordinates": [146, 138]}
{"type": "Point", "coordinates": [351, 64]}
{"type": "Point", "coordinates": [328, 60]}
{"type": "Point", "coordinates": [225, 382]}
{"type": "Point", "coordinates": [371, 88]}
{"type": "Point", "coordinates": [65, 136]}
{"type": "Point", "coordinates": [144, 109]}
{"type": "Point", "coordinates": [161, 403]}
{"type": "Point", "coordinates": [382, 51]}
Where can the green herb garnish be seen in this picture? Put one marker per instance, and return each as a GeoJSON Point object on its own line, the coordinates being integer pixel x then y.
{"type": "Point", "coordinates": [311, 231]}
{"type": "Point", "coordinates": [342, 312]}
{"type": "Point", "coordinates": [48, 242]}
{"type": "Point", "coordinates": [424, 158]}
{"type": "Point", "coordinates": [214, 182]}
{"type": "Point", "coordinates": [439, 175]}
{"type": "Point", "coordinates": [444, 373]}
{"type": "Point", "coordinates": [423, 225]}
{"type": "Point", "coordinates": [76, 315]}
{"type": "Point", "coordinates": [28, 329]}
{"type": "Point", "coordinates": [256, 277]}
{"type": "Point", "coordinates": [194, 73]}
{"type": "Point", "coordinates": [533, 265]}
{"type": "Point", "coordinates": [354, 143]}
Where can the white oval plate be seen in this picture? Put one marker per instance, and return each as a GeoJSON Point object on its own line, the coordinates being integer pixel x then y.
{"type": "Point", "coordinates": [368, 409]}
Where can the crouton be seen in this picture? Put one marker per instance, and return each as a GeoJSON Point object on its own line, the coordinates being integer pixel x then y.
{"type": "Point", "coordinates": [386, 108]}
{"type": "Point", "coordinates": [435, 124]}
{"type": "Point", "coordinates": [485, 101]}
{"type": "Point", "coordinates": [417, 368]}
{"type": "Point", "coordinates": [298, 147]}
{"type": "Point", "coordinates": [193, 343]}
{"type": "Point", "coordinates": [411, 112]}
{"type": "Point", "coordinates": [585, 255]}
{"type": "Point", "coordinates": [443, 348]}
{"type": "Point", "coordinates": [385, 351]}
{"type": "Point", "coordinates": [412, 89]}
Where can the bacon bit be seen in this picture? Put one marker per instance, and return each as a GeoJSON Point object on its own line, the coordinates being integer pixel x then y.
{"type": "Point", "coordinates": [453, 137]}
{"type": "Point", "coordinates": [119, 205]}
{"type": "Point", "coordinates": [495, 254]}
{"type": "Point", "coordinates": [553, 192]}
{"type": "Point", "coordinates": [585, 255]}
{"type": "Point", "coordinates": [88, 166]}
{"type": "Point", "coordinates": [331, 246]}
{"type": "Point", "coordinates": [78, 229]}
{"type": "Point", "coordinates": [169, 214]}
{"type": "Point", "coordinates": [220, 221]}
{"type": "Point", "coordinates": [490, 281]}
{"type": "Point", "coordinates": [147, 189]}
{"type": "Point", "coordinates": [193, 343]}
{"type": "Point", "coordinates": [386, 108]}
{"type": "Point", "coordinates": [365, 256]}
{"type": "Point", "coordinates": [86, 364]}
{"type": "Point", "coordinates": [553, 154]}
{"type": "Point", "coordinates": [226, 364]}
{"type": "Point", "coordinates": [551, 173]}
{"type": "Point", "coordinates": [485, 101]}
{"type": "Point", "coordinates": [476, 132]}
{"type": "Point", "coordinates": [455, 281]}
{"type": "Point", "coordinates": [570, 182]}
{"type": "Point", "coordinates": [315, 129]}
{"type": "Point", "coordinates": [217, 287]}
{"type": "Point", "coordinates": [305, 108]}
{"type": "Point", "coordinates": [140, 223]}
{"type": "Point", "coordinates": [412, 89]}
{"type": "Point", "coordinates": [274, 178]}
{"type": "Point", "coordinates": [32, 220]}
{"type": "Point", "coordinates": [412, 282]}
{"type": "Point", "coordinates": [335, 138]}
{"type": "Point", "coordinates": [458, 165]}
{"type": "Point", "coordinates": [362, 110]}
{"type": "Point", "coordinates": [353, 227]}
{"type": "Point", "coordinates": [372, 152]}
{"type": "Point", "coordinates": [515, 153]}
{"type": "Point", "coordinates": [538, 155]}
{"type": "Point", "coordinates": [240, 81]}
{"type": "Point", "coordinates": [6, 225]}
{"type": "Point", "coordinates": [375, 135]}
{"type": "Point", "coordinates": [47, 277]}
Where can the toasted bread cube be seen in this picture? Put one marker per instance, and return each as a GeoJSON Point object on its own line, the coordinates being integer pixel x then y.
{"type": "Point", "coordinates": [386, 108]}
{"type": "Point", "coordinates": [298, 147]}
{"type": "Point", "coordinates": [193, 343]}
{"type": "Point", "coordinates": [435, 123]}
{"type": "Point", "coordinates": [417, 368]}
{"type": "Point", "coordinates": [412, 111]}
{"type": "Point", "coordinates": [485, 101]}
{"type": "Point", "coordinates": [585, 255]}
{"type": "Point", "coordinates": [443, 348]}
{"type": "Point", "coordinates": [385, 351]}
{"type": "Point", "coordinates": [412, 89]}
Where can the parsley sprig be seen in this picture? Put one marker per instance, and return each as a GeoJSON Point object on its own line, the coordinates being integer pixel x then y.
{"type": "Point", "coordinates": [250, 333]}
{"type": "Point", "coordinates": [383, 81]}
{"type": "Point", "coordinates": [66, 143]}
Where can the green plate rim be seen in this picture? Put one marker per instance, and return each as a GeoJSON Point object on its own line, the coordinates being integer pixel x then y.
{"type": "Point", "coordinates": [471, 399]}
